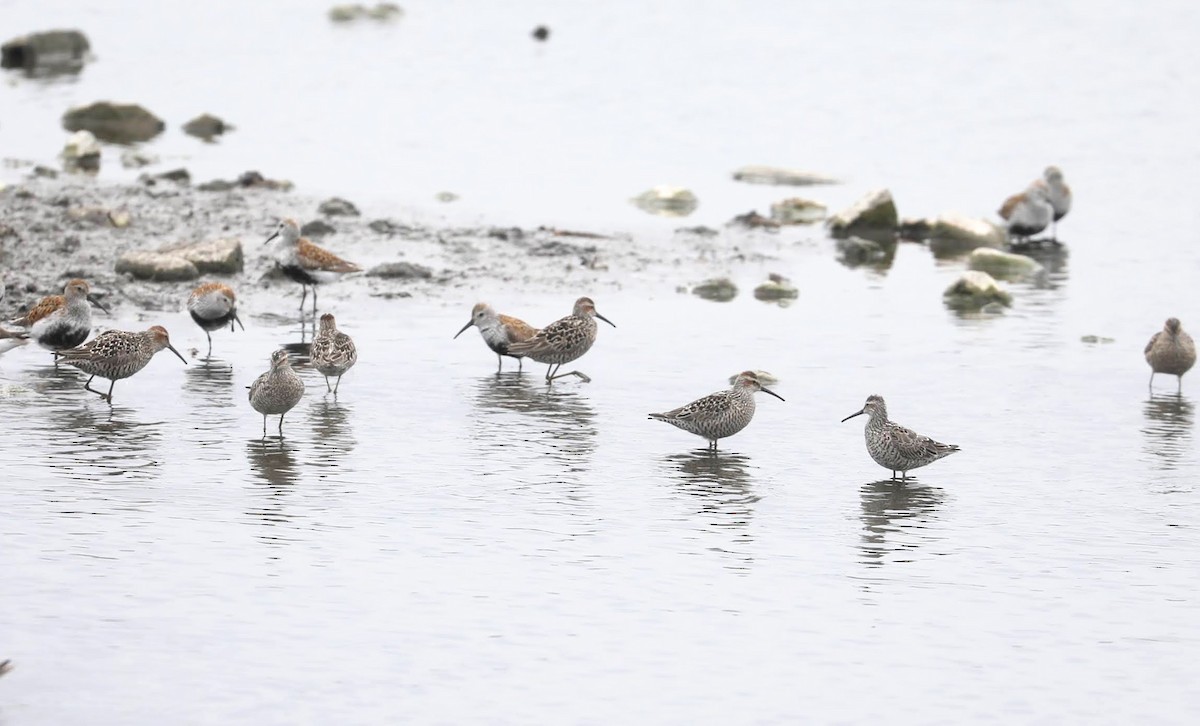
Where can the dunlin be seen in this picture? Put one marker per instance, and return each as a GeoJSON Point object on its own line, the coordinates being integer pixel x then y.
{"type": "Point", "coordinates": [213, 305]}
{"type": "Point", "coordinates": [304, 262]}
{"type": "Point", "coordinates": [117, 354]}
{"type": "Point", "coordinates": [277, 391]}
{"type": "Point", "coordinates": [64, 321]}
{"type": "Point", "coordinates": [1171, 351]}
{"type": "Point", "coordinates": [499, 332]}
{"type": "Point", "coordinates": [563, 340]}
{"type": "Point", "coordinates": [894, 447]}
{"type": "Point", "coordinates": [719, 414]}
{"type": "Point", "coordinates": [1027, 213]}
{"type": "Point", "coordinates": [1058, 193]}
{"type": "Point", "coordinates": [333, 352]}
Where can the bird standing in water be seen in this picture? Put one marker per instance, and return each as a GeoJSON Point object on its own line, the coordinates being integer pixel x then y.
{"type": "Point", "coordinates": [719, 414]}
{"type": "Point", "coordinates": [306, 263]}
{"type": "Point", "coordinates": [894, 447]}
{"type": "Point", "coordinates": [564, 340]}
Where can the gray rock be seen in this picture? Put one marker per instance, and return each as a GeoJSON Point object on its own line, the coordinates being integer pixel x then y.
{"type": "Point", "coordinates": [63, 49]}
{"type": "Point", "coordinates": [254, 180]}
{"type": "Point", "coordinates": [915, 228]}
{"type": "Point", "coordinates": [446, 197]}
{"type": "Point", "coordinates": [757, 174]}
{"type": "Point", "coordinates": [216, 185]}
{"type": "Point", "coordinates": [753, 220]}
{"type": "Point", "coordinates": [873, 217]}
{"type": "Point", "coordinates": [1006, 265]}
{"type": "Point", "coordinates": [134, 159]}
{"type": "Point", "coordinates": [776, 289]}
{"type": "Point", "coordinates": [317, 228]}
{"type": "Point", "coordinates": [381, 12]}
{"type": "Point", "coordinates": [797, 211]}
{"type": "Point", "coordinates": [541, 33]}
{"type": "Point", "coordinates": [955, 234]}
{"type": "Point", "coordinates": [156, 266]}
{"type": "Point", "coordinates": [338, 207]}
{"type": "Point", "coordinates": [667, 201]}
{"type": "Point", "coordinates": [388, 227]}
{"type": "Point", "coordinates": [858, 251]}
{"type": "Point", "coordinates": [114, 122]}
{"type": "Point", "coordinates": [973, 290]}
{"type": "Point", "coordinates": [81, 152]}
{"type": "Point", "coordinates": [1093, 339]}
{"type": "Point", "coordinates": [211, 257]}
{"type": "Point", "coordinates": [401, 271]}
{"type": "Point", "coordinates": [206, 127]}
{"type": "Point", "coordinates": [179, 176]}
{"type": "Point", "coordinates": [718, 289]}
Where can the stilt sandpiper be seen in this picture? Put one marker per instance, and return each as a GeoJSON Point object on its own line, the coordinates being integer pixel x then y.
{"type": "Point", "coordinates": [719, 414]}
{"type": "Point", "coordinates": [894, 447]}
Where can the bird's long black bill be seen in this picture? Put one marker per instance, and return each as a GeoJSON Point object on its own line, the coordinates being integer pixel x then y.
{"type": "Point", "coordinates": [172, 349]}
{"type": "Point", "coordinates": [93, 300]}
{"type": "Point", "coordinates": [239, 322]}
{"type": "Point", "coordinates": [271, 238]}
{"type": "Point", "coordinates": [853, 415]}
{"type": "Point", "coordinates": [464, 328]}
{"type": "Point", "coordinates": [606, 320]}
{"type": "Point", "coordinates": [772, 393]}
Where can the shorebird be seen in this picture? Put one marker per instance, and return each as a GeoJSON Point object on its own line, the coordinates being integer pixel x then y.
{"type": "Point", "coordinates": [10, 340]}
{"type": "Point", "coordinates": [304, 262]}
{"type": "Point", "coordinates": [1170, 351]}
{"type": "Point", "coordinates": [332, 352]}
{"type": "Point", "coordinates": [894, 447]}
{"type": "Point", "coordinates": [213, 305]}
{"type": "Point", "coordinates": [1058, 194]}
{"type": "Point", "coordinates": [563, 341]}
{"type": "Point", "coordinates": [1027, 213]}
{"type": "Point", "coordinates": [499, 332]}
{"type": "Point", "coordinates": [277, 391]}
{"type": "Point", "coordinates": [117, 354]}
{"type": "Point", "coordinates": [64, 321]}
{"type": "Point", "coordinates": [719, 414]}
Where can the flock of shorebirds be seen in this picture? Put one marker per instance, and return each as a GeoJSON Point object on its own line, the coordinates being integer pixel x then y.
{"type": "Point", "coordinates": [62, 323]}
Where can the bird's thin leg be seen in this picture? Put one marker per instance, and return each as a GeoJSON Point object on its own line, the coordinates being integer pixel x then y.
{"type": "Point", "coordinates": [499, 362]}
{"type": "Point", "coordinates": [1179, 388]}
{"type": "Point", "coordinates": [88, 386]}
{"type": "Point", "coordinates": [264, 426]}
{"type": "Point", "coordinates": [110, 387]}
{"type": "Point", "coordinates": [209, 335]}
{"type": "Point", "coordinates": [281, 425]}
{"type": "Point", "coordinates": [303, 297]}
{"type": "Point", "coordinates": [582, 376]}
{"type": "Point", "coordinates": [893, 473]}
{"type": "Point", "coordinates": [314, 301]}
{"type": "Point", "coordinates": [1152, 380]}
{"type": "Point", "coordinates": [1054, 231]}
{"type": "Point", "coordinates": [335, 385]}
{"type": "Point", "coordinates": [327, 388]}
{"type": "Point", "coordinates": [520, 363]}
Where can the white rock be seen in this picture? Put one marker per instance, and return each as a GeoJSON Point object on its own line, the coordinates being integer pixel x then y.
{"type": "Point", "coordinates": [999, 263]}
{"type": "Point", "coordinates": [758, 174]}
{"type": "Point", "coordinates": [975, 289]}
{"type": "Point", "coordinates": [797, 211]}
{"type": "Point", "coordinates": [81, 151]}
{"type": "Point", "coordinates": [667, 201]}
{"type": "Point", "coordinates": [873, 216]}
{"type": "Point", "coordinates": [957, 233]}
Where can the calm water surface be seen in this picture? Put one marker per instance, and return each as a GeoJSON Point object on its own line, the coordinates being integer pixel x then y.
{"type": "Point", "coordinates": [444, 544]}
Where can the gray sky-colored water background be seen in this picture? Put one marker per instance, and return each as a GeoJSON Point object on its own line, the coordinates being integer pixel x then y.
{"type": "Point", "coordinates": [442, 544]}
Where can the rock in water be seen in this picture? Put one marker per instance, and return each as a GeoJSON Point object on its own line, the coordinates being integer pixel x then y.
{"type": "Point", "coordinates": [719, 289]}
{"type": "Point", "coordinates": [52, 50]}
{"type": "Point", "coordinates": [756, 174]}
{"type": "Point", "coordinates": [999, 263]}
{"type": "Point", "coordinates": [954, 234]}
{"type": "Point", "coordinates": [206, 127]}
{"type": "Point", "coordinates": [114, 122]}
{"type": "Point", "coordinates": [667, 201]}
{"type": "Point", "coordinates": [777, 288]}
{"type": "Point", "coordinates": [797, 211]}
{"type": "Point", "coordinates": [854, 251]}
{"type": "Point", "coordinates": [873, 217]}
{"type": "Point", "coordinates": [973, 290]}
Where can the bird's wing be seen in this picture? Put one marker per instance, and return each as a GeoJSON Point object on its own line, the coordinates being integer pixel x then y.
{"type": "Point", "coordinates": [313, 257]}
{"type": "Point", "coordinates": [516, 329]}
{"type": "Point", "coordinates": [912, 445]}
{"type": "Point", "coordinates": [1153, 340]}
{"type": "Point", "coordinates": [1010, 205]}
{"type": "Point", "coordinates": [47, 305]}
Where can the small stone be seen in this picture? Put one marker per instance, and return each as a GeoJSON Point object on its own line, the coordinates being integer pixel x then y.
{"type": "Point", "coordinates": [757, 174]}
{"type": "Point", "coordinates": [156, 266]}
{"type": "Point", "coordinates": [134, 159]}
{"type": "Point", "coordinates": [955, 234]}
{"type": "Point", "coordinates": [777, 288]}
{"type": "Point", "coordinates": [388, 227]}
{"type": "Point", "coordinates": [915, 229]}
{"type": "Point", "coordinates": [858, 251]}
{"type": "Point", "coordinates": [254, 180]}
{"type": "Point", "coordinates": [973, 290]}
{"type": "Point", "coordinates": [873, 217]}
{"type": "Point", "coordinates": [1093, 339]}
{"type": "Point", "coordinates": [401, 271]}
{"type": "Point", "coordinates": [216, 185]}
{"type": "Point", "coordinates": [114, 122]}
{"type": "Point", "coordinates": [81, 152]}
{"type": "Point", "coordinates": [446, 197]}
{"type": "Point", "coordinates": [541, 33]}
{"type": "Point", "coordinates": [317, 228]}
{"type": "Point", "coordinates": [797, 211]}
{"type": "Point", "coordinates": [385, 11]}
{"type": "Point", "coordinates": [53, 49]}
{"type": "Point", "coordinates": [718, 289]}
{"type": "Point", "coordinates": [206, 126]}
{"type": "Point", "coordinates": [211, 257]}
{"type": "Point", "coordinates": [753, 220]}
{"type": "Point", "coordinates": [1006, 265]}
{"type": "Point", "coordinates": [338, 207]}
{"type": "Point", "coordinates": [346, 13]}
{"type": "Point", "coordinates": [179, 176]}
{"type": "Point", "coordinates": [667, 201]}
{"type": "Point", "coordinates": [44, 172]}
{"type": "Point", "coordinates": [698, 231]}
{"type": "Point", "coordinates": [93, 216]}
{"type": "Point", "coordinates": [120, 218]}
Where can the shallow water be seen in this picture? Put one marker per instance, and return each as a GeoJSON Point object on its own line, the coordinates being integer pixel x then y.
{"type": "Point", "coordinates": [440, 543]}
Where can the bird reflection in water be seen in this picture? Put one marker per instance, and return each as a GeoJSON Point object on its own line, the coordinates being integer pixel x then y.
{"type": "Point", "coordinates": [721, 487]}
{"type": "Point", "coordinates": [94, 443]}
{"type": "Point", "coordinates": [273, 463]}
{"type": "Point", "coordinates": [892, 509]}
{"type": "Point", "coordinates": [1168, 429]}
{"type": "Point", "coordinates": [334, 437]}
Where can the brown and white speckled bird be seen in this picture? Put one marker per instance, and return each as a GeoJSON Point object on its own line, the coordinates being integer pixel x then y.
{"type": "Point", "coordinates": [1027, 213]}
{"type": "Point", "coordinates": [306, 263]}
{"type": "Point", "coordinates": [213, 305]}
{"type": "Point", "coordinates": [64, 321]}
{"type": "Point", "coordinates": [719, 414]}
{"type": "Point", "coordinates": [117, 354]}
{"type": "Point", "coordinates": [894, 447]}
{"type": "Point", "coordinates": [499, 332]}
{"type": "Point", "coordinates": [277, 391]}
{"type": "Point", "coordinates": [563, 340]}
{"type": "Point", "coordinates": [333, 352]}
{"type": "Point", "coordinates": [1171, 351]}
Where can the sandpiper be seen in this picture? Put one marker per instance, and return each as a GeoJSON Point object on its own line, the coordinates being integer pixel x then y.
{"type": "Point", "coordinates": [64, 321]}
{"type": "Point", "coordinates": [10, 340]}
{"type": "Point", "coordinates": [719, 414]}
{"type": "Point", "coordinates": [277, 391]}
{"type": "Point", "coordinates": [333, 352]}
{"type": "Point", "coordinates": [213, 305]}
{"type": "Point", "coordinates": [1027, 213]}
{"type": "Point", "coordinates": [304, 262]}
{"type": "Point", "coordinates": [499, 332]}
{"type": "Point", "coordinates": [563, 340]}
{"type": "Point", "coordinates": [117, 354]}
{"type": "Point", "coordinates": [1058, 193]}
{"type": "Point", "coordinates": [1171, 351]}
{"type": "Point", "coordinates": [894, 447]}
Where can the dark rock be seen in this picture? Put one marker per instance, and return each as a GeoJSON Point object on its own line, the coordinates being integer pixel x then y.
{"type": "Point", "coordinates": [44, 172]}
{"type": "Point", "coordinates": [338, 207]}
{"type": "Point", "coordinates": [401, 271]}
{"type": "Point", "coordinates": [558, 248]}
{"type": "Point", "coordinates": [855, 251]}
{"type": "Point", "coordinates": [179, 176]}
{"type": "Point", "coordinates": [206, 127]}
{"type": "Point", "coordinates": [541, 33]}
{"type": "Point", "coordinates": [388, 227]}
{"type": "Point", "coordinates": [777, 288]}
{"type": "Point", "coordinates": [753, 220]}
{"type": "Point", "coordinates": [873, 217]}
{"type": "Point", "coordinates": [720, 289]}
{"type": "Point", "coordinates": [508, 234]}
{"type": "Point", "coordinates": [53, 49]}
{"type": "Point", "coordinates": [317, 228]}
{"type": "Point", "coordinates": [115, 122]}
